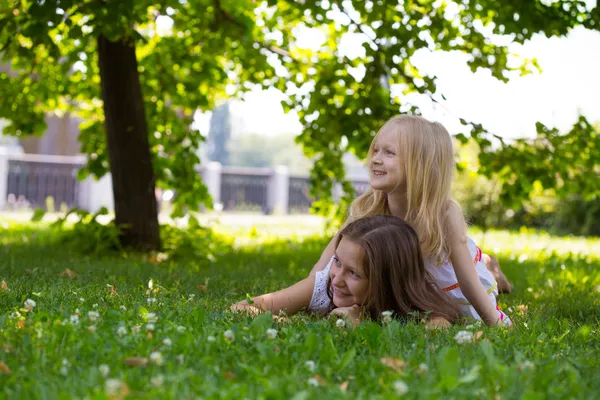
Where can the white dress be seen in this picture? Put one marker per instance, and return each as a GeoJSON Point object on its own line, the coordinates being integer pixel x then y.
{"type": "Point", "coordinates": [446, 277]}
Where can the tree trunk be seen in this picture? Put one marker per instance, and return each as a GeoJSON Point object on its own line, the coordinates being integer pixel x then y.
{"type": "Point", "coordinates": [128, 148]}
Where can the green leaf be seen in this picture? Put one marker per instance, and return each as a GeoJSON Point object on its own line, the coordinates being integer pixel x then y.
{"type": "Point", "coordinates": [347, 359]}
{"type": "Point", "coordinates": [142, 311]}
{"type": "Point", "coordinates": [262, 322]}
{"type": "Point", "coordinates": [38, 215]}
{"type": "Point", "coordinates": [449, 368]}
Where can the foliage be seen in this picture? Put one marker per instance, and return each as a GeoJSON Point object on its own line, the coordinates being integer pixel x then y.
{"type": "Point", "coordinates": [86, 234]}
{"type": "Point", "coordinates": [343, 100]}
{"type": "Point", "coordinates": [566, 163]}
{"type": "Point", "coordinates": [216, 47]}
{"type": "Point", "coordinates": [554, 208]}
{"type": "Point", "coordinates": [552, 353]}
{"type": "Point", "coordinates": [51, 49]}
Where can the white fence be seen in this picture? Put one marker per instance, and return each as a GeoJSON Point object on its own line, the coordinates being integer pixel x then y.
{"type": "Point", "coordinates": [31, 181]}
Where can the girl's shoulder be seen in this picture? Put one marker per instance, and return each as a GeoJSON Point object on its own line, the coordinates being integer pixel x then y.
{"type": "Point", "coordinates": [454, 221]}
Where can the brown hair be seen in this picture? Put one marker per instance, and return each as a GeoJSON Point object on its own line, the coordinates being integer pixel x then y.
{"type": "Point", "coordinates": [393, 263]}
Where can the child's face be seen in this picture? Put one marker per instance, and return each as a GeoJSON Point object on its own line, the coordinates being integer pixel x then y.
{"type": "Point", "coordinates": [348, 279]}
{"type": "Point", "coordinates": [385, 168]}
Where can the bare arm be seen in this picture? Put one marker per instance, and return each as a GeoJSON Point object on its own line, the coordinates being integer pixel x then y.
{"type": "Point", "coordinates": [469, 282]}
{"type": "Point", "coordinates": [291, 299]}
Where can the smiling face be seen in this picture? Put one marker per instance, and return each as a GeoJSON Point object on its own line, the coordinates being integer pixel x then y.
{"type": "Point", "coordinates": [349, 282]}
{"type": "Point", "coordinates": [385, 164]}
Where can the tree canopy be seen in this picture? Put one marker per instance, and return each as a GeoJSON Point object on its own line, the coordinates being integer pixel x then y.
{"type": "Point", "coordinates": [192, 53]}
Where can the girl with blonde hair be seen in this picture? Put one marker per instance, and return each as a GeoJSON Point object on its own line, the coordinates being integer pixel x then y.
{"type": "Point", "coordinates": [411, 163]}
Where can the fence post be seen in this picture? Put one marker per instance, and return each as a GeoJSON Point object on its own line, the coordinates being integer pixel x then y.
{"type": "Point", "coordinates": [278, 190]}
{"type": "Point", "coordinates": [338, 192]}
{"type": "Point", "coordinates": [211, 175]}
{"type": "Point", "coordinates": [3, 177]}
{"type": "Point", "coordinates": [96, 193]}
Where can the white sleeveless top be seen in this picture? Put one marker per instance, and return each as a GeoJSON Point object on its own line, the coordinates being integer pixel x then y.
{"type": "Point", "coordinates": [320, 303]}
{"type": "Point", "coordinates": [446, 277]}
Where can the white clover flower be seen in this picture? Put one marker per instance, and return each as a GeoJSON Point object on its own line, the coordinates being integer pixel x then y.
{"type": "Point", "coordinates": [181, 328]}
{"type": "Point", "coordinates": [179, 359]}
{"type": "Point", "coordinates": [400, 387]}
{"type": "Point", "coordinates": [463, 337]}
{"type": "Point", "coordinates": [340, 323]}
{"type": "Point", "coordinates": [151, 300]}
{"type": "Point", "coordinates": [64, 369]}
{"type": "Point", "coordinates": [151, 317]}
{"type": "Point", "coordinates": [387, 316]}
{"type": "Point", "coordinates": [157, 380]}
{"type": "Point", "coordinates": [77, 311]}
{"type": "Point", "coordinates": [92, 328]}
{"type": "Point", "coordinates": [95, 305]}
{"type": "Point", "coordinates": [150, 327]}
{"type": "Point", "coordinates": [229, 335]}
{"type": "Point", "coordinates": [93, 315]}
{"type": "Point", "coordinates": [422, 368]}
{"type": "Point", "coordinates": [123, 308]}
{"type": "Point", "coordinates": [121, 331]}
{"type": "Point", "coordinates": [211, 339]}
{"type": "Point", "coordinates": [74, 320]}
{"type": "Point", "coordinates": [156, 358]}
{"type": "Point", "coordinates": [136, 329]}
{"type": "Point", "coordinates": [167, 342]}
{"type": "Point", "coordinates": [112, 387]}
{"type": "Point", "coordinates": [310, 365]}
{"type": "Point", "coordinates": [29, 304]}
{"type": "Point", "coordinates": [187, 142]}
{"type": "Point", "coordinates": [313, 382]}
{"type": "Point", "coordinates": [526, 365]}
{"type": "Point", "coordinates": [15, 314]}
{"type": "Point", "coordinates": [104, 370]}
{"type": "Point", "coordinates": [271, 333]}
{"type": "Point", "coordinates": [81, 299]}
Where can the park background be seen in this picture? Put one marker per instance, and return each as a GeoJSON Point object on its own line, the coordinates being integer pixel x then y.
{"type": "Point", "coordinates": [230, 137]}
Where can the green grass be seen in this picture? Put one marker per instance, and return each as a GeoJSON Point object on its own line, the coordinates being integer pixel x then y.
{"type": "Point", "coordinates": [553, 351]}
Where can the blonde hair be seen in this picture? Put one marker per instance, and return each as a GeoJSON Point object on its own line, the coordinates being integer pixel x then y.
{"type": "Point", "coordinates": [427, 163]}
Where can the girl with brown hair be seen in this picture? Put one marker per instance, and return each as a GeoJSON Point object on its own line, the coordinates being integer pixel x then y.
{"type": "Point", "coordinates": [377, 266]}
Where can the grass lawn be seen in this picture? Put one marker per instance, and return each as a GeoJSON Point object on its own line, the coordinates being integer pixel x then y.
{"type": "Point", "coordinates": [109, 333]}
